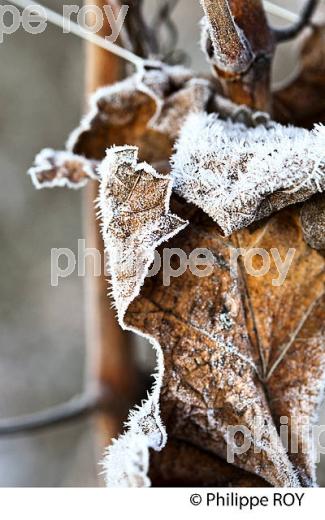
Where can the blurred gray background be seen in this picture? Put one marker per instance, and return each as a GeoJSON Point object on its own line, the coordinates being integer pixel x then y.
{"type": "Point", "coordinates": [42, 340]}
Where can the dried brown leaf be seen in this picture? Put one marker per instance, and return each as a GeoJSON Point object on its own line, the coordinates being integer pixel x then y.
{"type": "Point", "coordinates": [237, 348]}
{"type": "Point", "coordinates": [134, 202]}
{"type": "Point", "coordinates": [61, 169]}
{"type": "Point", "coordinates": [145, 110]}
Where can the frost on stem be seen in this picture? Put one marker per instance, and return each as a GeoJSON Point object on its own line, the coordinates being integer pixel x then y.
{"type": "Point", "coordinates": [239, 44]}
{"type": "Point", "coordinates": [230, 49]}
{"type": "Point", "coordinates": [238, 175]}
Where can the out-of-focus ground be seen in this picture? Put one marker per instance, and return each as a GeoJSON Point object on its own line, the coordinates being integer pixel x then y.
{"type": "Point", "coordinates": [42, 340]}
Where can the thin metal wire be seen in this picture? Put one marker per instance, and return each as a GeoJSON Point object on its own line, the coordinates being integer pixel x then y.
{"type": "Point", "coordinates": [76, 408]}
{"type": "Point", "coordinates": [281, 12]}
{"type": "Point", "coordinates": [92, 400]}
{"type": "Point", "coordinates": [63, 22]}
{"type": "Point", "coordinates": [304, 19]}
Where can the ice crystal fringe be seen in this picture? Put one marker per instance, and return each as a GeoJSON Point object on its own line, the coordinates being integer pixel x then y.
{"type": "Point", "coordinates": [238, 175]}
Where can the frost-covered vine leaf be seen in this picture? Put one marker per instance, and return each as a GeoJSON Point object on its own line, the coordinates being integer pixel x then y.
{"type": "Point", "coordinates": [61, 169]}
{"type": "Point", "coordinates": [216, 374]}
{"type": "Point", "coordinates": [134, 204]}
{"type": "Point", "coordinates": [313, 222]}
{"type": "Point", "coordinates": [238, 175]}
{"type": "Point", "coordinates": [303, 102]}
{"type": "Point", "coordinates": [145, 110]}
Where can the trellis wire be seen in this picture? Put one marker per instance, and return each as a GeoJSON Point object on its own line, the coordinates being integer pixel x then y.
{"type": "Point", "coordinates": [76, 29]}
